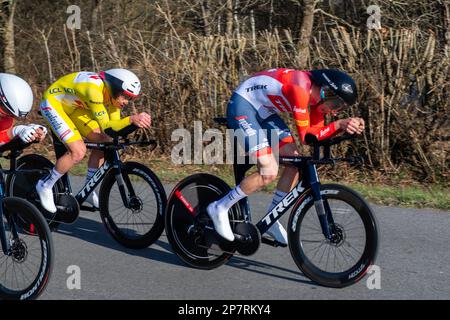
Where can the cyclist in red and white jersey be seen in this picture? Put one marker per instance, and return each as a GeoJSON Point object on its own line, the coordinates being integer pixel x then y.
{"type": "Point", "coordinates": [16, 101]}
{"type": "Point", "coordinates": [253, 110]}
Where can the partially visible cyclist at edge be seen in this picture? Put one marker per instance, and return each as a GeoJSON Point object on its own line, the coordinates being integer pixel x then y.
{"type": "Point", "coordinates": [16, 101]}
{"type": "Point", "coordinates": [87, 105]}
{"type": "Point", "coordinates": [255, 105]}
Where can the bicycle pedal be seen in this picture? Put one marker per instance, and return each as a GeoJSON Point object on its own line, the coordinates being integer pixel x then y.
{"type": "Point", "coordinates": [272, 242]}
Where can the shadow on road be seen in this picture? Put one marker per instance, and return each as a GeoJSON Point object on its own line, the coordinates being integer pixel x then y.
{"type": "Point", "coordinates": [95, 233]}
{"type": "Point", "coordinates": [267, 269]}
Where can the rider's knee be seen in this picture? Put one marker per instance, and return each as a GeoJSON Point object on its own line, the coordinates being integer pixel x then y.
{"type": "Point", "coordinates": [78, 154]}
{"type": "Point", "coordinates": [266, 179]}
{"type": "Point", "coordinates": [268, 168]}
{"type": "Point", "coordinates": [289, 150]}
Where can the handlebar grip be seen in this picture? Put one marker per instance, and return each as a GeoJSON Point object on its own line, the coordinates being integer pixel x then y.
{"type": "Point", "coordinates": [15, 144]}
{"type": "Point", "coordinates": [313, 141]}
{"type": "Point", "coordinates": [121, 133]}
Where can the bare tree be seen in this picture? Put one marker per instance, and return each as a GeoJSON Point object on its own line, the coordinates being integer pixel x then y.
{"type": "Point", "coordinates": [7, 10]}
{"type": "Point", "coordinates": [229, 26]}
{"type": "Point", "coordinates": [96, 5]}
{"type": "Point", "coordinates": [206, 14]}
{"type": "Point", "coordinates": [305, 32]}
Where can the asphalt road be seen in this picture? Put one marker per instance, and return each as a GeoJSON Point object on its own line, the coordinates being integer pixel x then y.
{"type": "Point", "coordinates": [414, 261]}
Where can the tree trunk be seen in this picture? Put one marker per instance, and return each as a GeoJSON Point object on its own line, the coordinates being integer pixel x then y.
{"type": "Point", "coordinates": [271, 12]}
{"type": "Point", "coordinates": [93, 27]}
{"type": "Point", "coordinates": [305, 32]}
{"type": "Point", "coordinates": [206, 14]}
{"type": "Point", "coordinates": [236, 18]}
{"type": "Point", "coordinates": [7, 28]}
{"type": "Point", "coordinates": [229, 24]}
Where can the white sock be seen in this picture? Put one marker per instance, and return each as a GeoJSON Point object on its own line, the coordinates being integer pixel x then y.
{"type": "Point", "coordinates": [50, 180]}
{"type": "Point", "coordinates": [277, 197]}
{"type": "Point", "coordinates": [90, 173]}
{"type": "Point", "coordinates": [231, 198]}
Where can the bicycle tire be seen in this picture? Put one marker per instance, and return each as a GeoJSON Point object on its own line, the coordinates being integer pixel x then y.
{"type": "Point", "coordinates": [351, 275]}
{"type": "Point", "coordinates": [14, 207]}
{"type": "Point", "coordinates": [156, 188]}
{"type": "Point", "coordinates": [178, 219]}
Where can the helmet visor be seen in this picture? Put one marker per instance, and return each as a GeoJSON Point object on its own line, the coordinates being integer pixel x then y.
{"type": "Point", "coordinates": [333, 105]}
{"type": "Point", "coordinates": [330, 101]}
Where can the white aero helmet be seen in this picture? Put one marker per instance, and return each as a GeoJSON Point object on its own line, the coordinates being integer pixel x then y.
{"type": "Point", "coordinates": [16, 96]}
{"type": "Point", "coordinates": [121, 81]}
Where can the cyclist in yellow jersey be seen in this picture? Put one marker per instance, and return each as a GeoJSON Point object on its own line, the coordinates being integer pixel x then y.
{"type": "Point", "coordinates": [87, 105]}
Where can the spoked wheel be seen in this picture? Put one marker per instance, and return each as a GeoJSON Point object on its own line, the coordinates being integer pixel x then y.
{"type": "Point", "coordinates": [188, 227]}
{"type": "Point", "coordinates": [23, 184]}
{"type": "Point", "coordinates": [137, 221]}
{"type": "Point", "coordinates": [345, 258]}
{"type": "Point", "coordinates": [26, 268]}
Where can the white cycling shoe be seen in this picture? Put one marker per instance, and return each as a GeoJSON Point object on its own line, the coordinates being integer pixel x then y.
{"type": "Point", "coordinates": [277, 232]}
{"type": "Point", "coordinates": [46, 197]}
{"type": "Point", "coordinates": [221, 221]}
{"type": "Point", "coordinates": [92, 199]}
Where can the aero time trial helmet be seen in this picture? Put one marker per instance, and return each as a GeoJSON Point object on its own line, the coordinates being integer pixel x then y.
{"type": "Point", "coordinates": [337, 83]}
{"type": "Point", "coordinates": [16, 96]}
{"type": "Point", "coordinates": [121, 81]}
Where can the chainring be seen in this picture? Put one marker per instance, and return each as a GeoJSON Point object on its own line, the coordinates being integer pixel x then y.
{"type": "Point", "coordinates": [251, 232]}
{"type": "Point", "coordinates": [68, 209]}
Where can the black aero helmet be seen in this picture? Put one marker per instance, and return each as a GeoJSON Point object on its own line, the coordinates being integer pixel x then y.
{"type": "Point", "coordinates": [339, 82]}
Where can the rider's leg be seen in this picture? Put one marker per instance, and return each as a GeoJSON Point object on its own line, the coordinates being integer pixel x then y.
{"type": "Point", "coordinates": [218, 210]}
{"type": "Point", "coordinates": [96, 159]}
{"type": "Point", "coordinates": [76, 153]}
{"type": "Point", "coordinates": [289, 178]}
{"type": "Point", "coordinates": [281, 137]}
{"type": "Point", "coordinates": [243, 119]}
{"type": "Point", "coordinates": [61, 124]}
{"type": "Point", "coordinates": [90, 129]}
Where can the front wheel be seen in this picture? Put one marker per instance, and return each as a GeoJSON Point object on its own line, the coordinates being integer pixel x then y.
{"type": "Point", "coordinates": [346, 257]}
{"type": "Point", "coordinates": [25, 269]}
{"type": "Point", "coordinates": [132, 205]}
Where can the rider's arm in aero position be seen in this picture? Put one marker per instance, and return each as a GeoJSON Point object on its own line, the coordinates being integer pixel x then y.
{"type": "Point", "coordinates": [27, 133]}
{"type": "Point", "coordinates": [105, 119]}
{"type": "Point", "coordinates": [306, 122]}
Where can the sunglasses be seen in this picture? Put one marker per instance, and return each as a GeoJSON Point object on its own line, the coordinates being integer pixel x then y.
{"type": "Point", "coordinates": [330, 100]}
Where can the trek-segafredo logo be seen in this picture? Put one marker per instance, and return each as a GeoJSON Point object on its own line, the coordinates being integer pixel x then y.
{"type": "Point", "coordinates": [347, 88]}
{"type": "Point", "coordinates": [285, 203]}
{"type": "Point", "coordinates": [331, 83]}
{"type": "Point", "coordinates": [93, 182]}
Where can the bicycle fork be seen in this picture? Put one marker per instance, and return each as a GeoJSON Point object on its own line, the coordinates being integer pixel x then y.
{"type": "Point", "coordinates": [6, 246]}
{"type": "Point", "coordinates": [322, 207]}
{"type": "Point", "coordinates": [123, 182]}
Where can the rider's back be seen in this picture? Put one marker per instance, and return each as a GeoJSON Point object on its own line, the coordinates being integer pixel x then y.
{"type": "Point", "coordinates": [77, 90]}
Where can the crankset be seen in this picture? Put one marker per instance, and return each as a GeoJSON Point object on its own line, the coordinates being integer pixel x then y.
{"type": "Point", "coordinates": [68, 209]}
{"type": "Point", "coordinates": [247, 238]}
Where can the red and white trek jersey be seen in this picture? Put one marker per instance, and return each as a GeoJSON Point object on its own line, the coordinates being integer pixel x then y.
{"type": "Point", "coordinates": [286, 90]}
{"type": "Point", "coordinates": [6, 123]}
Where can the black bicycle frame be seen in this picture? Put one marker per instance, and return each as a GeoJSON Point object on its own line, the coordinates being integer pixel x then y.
{"type": "Point", "coordinates": [112, 160]}
{"type": "Point", "coordinates": [6, 248]}
{"type": "Point", "coordinates": [310, 181]}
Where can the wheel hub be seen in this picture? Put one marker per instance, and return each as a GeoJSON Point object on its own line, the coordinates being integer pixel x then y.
{"type": "Point", "coordinates": [136, 204]}
{"type": "Point", "coordinates": [338, 235]}
{"type": "Point", "coordinates": [19, 251]}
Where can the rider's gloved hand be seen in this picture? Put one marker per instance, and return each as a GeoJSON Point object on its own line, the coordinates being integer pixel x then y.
{"type": "Point", "coordinates": [351, 125]}
{"type": "Point", "coordinates": [38, 126]}
{"type": "Point", "coordinates": [25, 133]}
{"type": "Point", "coordinates": [141, 120]}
